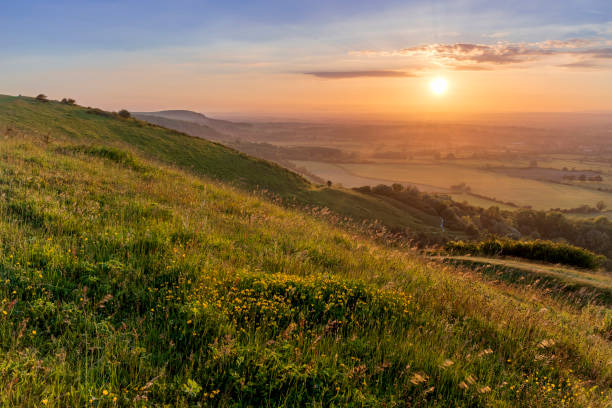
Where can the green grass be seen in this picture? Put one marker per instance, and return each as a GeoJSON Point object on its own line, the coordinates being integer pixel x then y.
{"type": "Point", "coordinates": [127, 283]}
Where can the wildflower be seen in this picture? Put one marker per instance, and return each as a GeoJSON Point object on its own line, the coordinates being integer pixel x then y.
{"type": "Point", "coordinates": [418, 378]}
{"type": "Point", "coordinates": [45, 401]}
{"type": "Point", "coordinates": [447, 363]}
{"type": "Point", "coordinates": [104, 392]}
{"type": "Point", "coordinates": [33, 331]}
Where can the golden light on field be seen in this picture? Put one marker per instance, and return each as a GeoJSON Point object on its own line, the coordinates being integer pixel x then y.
{"type": "Point", "coordinates": [438, 86]}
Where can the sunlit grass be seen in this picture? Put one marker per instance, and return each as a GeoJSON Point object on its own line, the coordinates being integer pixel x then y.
{"type": "Point", "coordinates": [127, 284]}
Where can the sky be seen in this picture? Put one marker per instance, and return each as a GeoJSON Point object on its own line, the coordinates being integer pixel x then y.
{"type": "Point", "coordinates": [312, 58]}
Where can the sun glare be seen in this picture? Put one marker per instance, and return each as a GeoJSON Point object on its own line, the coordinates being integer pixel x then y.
{"type": "Point", "coordinates": [438, 86]}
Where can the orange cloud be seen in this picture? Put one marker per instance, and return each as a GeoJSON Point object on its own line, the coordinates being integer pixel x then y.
{"type": "Point", "coordinates": [469, 56]}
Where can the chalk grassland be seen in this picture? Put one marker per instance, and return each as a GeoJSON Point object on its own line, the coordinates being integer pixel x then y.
{"type": "Point", "coordinates": [441, 175]}
{"type": "Point", "coordinates": [124, 283]}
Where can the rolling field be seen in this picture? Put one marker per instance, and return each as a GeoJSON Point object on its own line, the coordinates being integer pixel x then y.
{"type": "Point", "coordinates": [441, 175]}
{"type": "Point", "coordinates": [341, 174]}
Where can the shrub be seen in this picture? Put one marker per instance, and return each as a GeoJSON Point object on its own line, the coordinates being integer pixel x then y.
{"type": "Point", "coordinates": [538, 250]}
{"type": "Point", "coordinates": [363, 189]}
{"type": "Point", "coordinates": [68, 101]}
{"type": "Point", "coordinates": [42, 98]}
{"type": "Point", "coordinates": [99, 112]}
{"type": "Point", "coordinates": [382, 189]}
{"type": "Point", "coordinates": [124, 114]}
{"type": "Point", "coordinates": [108, 153]}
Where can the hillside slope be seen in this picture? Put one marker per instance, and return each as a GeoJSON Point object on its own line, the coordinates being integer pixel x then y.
{"type": "Point", "coordinates": [129, 284]}
{"type": "Point", "coordinates": [204, 158]}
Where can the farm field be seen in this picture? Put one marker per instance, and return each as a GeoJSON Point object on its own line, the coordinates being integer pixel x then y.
{"type": "Point", "coordinates": [439, 176]}
{"type": "Point", "coordinates": [340, 174]}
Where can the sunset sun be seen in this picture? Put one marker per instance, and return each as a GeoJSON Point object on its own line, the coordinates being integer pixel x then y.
{"type": "Point", "coordinates": [438, 86]}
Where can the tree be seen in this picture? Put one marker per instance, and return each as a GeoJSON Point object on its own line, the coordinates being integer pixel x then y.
{"type": "Point", "coordinates": [329, 183]}
{"type": "Point", "coordinates": [397, 187]}
{"type": "Point", "coordinates": [68, 101]}
{"type": "Point", "coordinates": [124, 113]}
{"type": "Point", "coordinates": [601, 205]}
{"type": "Point", "coordinates": [42, 98]}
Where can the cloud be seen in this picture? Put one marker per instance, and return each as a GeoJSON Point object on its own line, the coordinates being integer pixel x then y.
{"type": "Point", "coordinates": [602, 53]}
{"type": "Point", "coordinates": [360, 74]}
{"type": "Point", "coordinates": [477, 57]}
{"type": "Point", "coordinates": [581, 64]}
{"type": "Point", "coordinates": [501, 34]}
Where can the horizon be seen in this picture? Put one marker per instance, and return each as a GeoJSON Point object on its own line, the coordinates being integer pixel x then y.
{"type": "Point", "coordinates": [324, 59]}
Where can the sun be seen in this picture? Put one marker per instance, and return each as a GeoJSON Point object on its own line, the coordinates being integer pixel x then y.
{"type": "Point", "coordinates": [438, 86]}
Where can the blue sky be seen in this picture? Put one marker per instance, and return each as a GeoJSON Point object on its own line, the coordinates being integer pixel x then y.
{"type": "Point", "coordinates": [73, 26]}
{"type": "Point", "coordinates": [61, 44]}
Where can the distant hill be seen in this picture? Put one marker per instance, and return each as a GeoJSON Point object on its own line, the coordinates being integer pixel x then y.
{"type": "Point", "coordinates": [192, 128]}
{"type": "Point", "coordinates": [221, 126]}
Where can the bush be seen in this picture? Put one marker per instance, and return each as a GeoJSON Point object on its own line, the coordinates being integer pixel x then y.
{"type": "Point", "coordinates": [68, 101]}
{"type": "Point", "coordinates": [99, 112]}
{"type": "Point", "coordinates": [363, 189]}
{"type": "Point", "coordinates": [108, 153]}
{"type": "Point", "coordinates": [382, 189]}
{"type": "Point", "coordinates": [42, 98]}
{"type": "Point", "coordinates": [537, 250]}
{"type": "Point", "coordinates": [124, 114]}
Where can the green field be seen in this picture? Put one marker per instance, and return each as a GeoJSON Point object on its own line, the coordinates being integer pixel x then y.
{"type": "Point", "coordinates": [130, 281]}
{"type": "Point", "coordinates": [342, 174]}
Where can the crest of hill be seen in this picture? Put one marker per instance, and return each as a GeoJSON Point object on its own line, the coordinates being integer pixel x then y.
{"type": "Point", "coordinates": [221, 126]}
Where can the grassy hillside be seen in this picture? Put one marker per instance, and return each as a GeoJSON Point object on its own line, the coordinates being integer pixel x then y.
{"type": "Point", "coordinates": [83, 125]}
{"type": "Point", "coordinates": [86, 126]}
{"type": "Point", "coordinates": [127, 283]}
